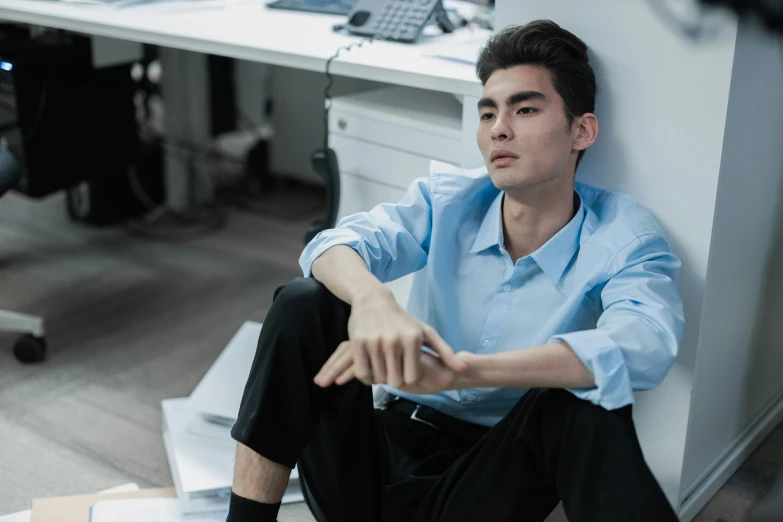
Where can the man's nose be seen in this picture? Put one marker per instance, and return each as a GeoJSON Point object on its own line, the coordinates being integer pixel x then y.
{"type": "Point", "coordinates": [501, 130]}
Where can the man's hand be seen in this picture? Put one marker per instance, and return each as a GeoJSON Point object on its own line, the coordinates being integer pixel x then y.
{"type": "Point", "coordinates": [384, 346]}
{"type": "Point", "coordinates": [436, 377]}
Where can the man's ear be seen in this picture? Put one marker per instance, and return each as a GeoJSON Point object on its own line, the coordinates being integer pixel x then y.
{"type": "Point", "coordinates": [586, 131]}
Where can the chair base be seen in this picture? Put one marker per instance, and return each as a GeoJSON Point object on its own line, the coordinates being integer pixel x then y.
{"type": "Point", "coordinates": [23, 323]}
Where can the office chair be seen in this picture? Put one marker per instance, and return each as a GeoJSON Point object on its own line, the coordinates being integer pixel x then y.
{"type": "Point", "coordinates": [324, 162]}
{"type": "Point", "coordinates": [31, 346]}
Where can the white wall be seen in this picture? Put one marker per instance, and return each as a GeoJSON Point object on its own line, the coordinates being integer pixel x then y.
{"type": "Point", "coordinates": [766, 384]}
{"type": "Point", "coordinates": [739, 364]}
{"type": "Point", "coordinates": [662, 108]}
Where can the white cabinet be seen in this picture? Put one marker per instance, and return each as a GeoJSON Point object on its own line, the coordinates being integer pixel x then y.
{"type": "Point", "coordinates": [385, 139]}
{"type": "Point", "coordinates": [359, 194]}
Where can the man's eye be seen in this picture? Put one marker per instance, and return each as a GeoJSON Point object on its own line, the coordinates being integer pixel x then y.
{"type": "Point", "coordinates": [526, 110]}
{"type": "Point", "coordinates": [487, 116]}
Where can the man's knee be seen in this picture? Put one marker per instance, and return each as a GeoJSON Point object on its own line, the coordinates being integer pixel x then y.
{"type": "Point", "coordinates": [301, 298]}
{"type": "Point", "coordinates": [305, 310]}
{"type": "Point", "coordinates": [300, 291]}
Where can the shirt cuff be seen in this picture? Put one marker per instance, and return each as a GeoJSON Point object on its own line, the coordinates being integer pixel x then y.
{"type": "Point", "coordinates": [604, 358]}
{"type": "Point", "coordinates": [326, 240]}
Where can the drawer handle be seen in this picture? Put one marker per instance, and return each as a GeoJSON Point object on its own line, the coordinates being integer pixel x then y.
{"type": "Point", "coordinates": [342, 123]}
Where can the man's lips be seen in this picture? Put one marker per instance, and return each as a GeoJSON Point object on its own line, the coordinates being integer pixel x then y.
{"type": "Point", "coordinates": [502, 154]}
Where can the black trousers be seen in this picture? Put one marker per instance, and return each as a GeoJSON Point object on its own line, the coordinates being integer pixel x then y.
{"type": "Point", "coordinates": [364, 465]}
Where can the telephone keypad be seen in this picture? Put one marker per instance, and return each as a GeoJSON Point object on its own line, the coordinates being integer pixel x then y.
{"type": "Point", "coordinates": [402, 20]}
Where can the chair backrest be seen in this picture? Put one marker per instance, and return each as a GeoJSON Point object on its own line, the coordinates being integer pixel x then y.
{"type": "Point", "coordinates": [10, 171]}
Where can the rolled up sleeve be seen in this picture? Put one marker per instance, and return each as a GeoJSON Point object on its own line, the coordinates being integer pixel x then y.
{"type": "Point", "coordinates": [392, 239]}
{"type": "Point", "coordinates": [637, 337]}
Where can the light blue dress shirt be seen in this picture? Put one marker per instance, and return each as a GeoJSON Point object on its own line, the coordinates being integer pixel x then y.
{"type": "Point", "coordinates": [605, 284]}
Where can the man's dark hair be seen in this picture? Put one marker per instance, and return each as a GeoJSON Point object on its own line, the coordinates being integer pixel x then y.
{"type": "Point", "coordinates": [545, 44]}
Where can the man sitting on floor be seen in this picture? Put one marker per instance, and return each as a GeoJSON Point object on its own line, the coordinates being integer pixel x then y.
{"type": "Point", "coordinates": [542, 305]}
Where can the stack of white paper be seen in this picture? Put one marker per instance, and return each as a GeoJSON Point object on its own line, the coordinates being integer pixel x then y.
{"type": "Point", "coordinates": [147, 510]}
{"type": "Point", "coordinates": [24, 516]}
{"type": "Point", "coordinates": [219, 393]}
{"type": "Point", "coordinates": [197, 430]}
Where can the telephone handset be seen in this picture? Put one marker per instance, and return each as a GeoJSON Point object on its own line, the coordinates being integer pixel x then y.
{"type": "Point", "coordinates": [397, 20]}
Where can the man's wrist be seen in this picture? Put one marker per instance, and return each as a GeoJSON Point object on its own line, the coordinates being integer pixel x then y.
{"type": "Point", "coordinates": [373, 294]}
{"type": "Point", "coordinates": [474, 375]}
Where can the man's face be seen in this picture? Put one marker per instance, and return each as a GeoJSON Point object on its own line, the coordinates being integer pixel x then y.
{"type": "Point", "coordinates": [523, 133]}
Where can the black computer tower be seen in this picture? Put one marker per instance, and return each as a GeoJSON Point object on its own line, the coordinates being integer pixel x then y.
{"type": "Point", "coordinates": [68, 123]}
{"type": "Point", "coordinates": [72, 122]}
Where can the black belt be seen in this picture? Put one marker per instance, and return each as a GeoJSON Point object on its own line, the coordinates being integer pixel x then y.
{"type": "Point", "coordinates": [434, 419]}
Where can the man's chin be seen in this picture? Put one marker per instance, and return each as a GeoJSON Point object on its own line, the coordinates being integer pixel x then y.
{"type": "Point", "coordinates": [519, 179]}
{"type": "Point", "coordinates": [507, 178]}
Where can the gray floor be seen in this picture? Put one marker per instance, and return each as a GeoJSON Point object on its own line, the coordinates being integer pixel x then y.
{"type": "Point", "coordinates": [132, 322]}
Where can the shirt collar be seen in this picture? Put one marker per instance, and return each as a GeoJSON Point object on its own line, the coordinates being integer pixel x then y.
{"type": "Point", "coordinates": [553, 257]}
{"type": "Point", "coordinates": [491, 231]}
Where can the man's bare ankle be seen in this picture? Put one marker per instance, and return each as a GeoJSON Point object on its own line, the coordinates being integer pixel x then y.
{"type": "Point", "coordinates": [258, 478]}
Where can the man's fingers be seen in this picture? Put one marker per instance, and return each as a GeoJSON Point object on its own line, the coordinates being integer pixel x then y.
{"type": "Point", "coordinates": [392, 352]}
{"type": "Point", "coordinates": [346, 377]}
{"type": "Point", "coordinates": [410, 359]}
{"type": "Point", "coordinates": [361, 363]}
{"type": "Point", "coordinates": [327, 378]}
{"type": "Point", "coordinates": [442, 348]}
{"type": "Point", "coordinates": [341, 351]}
{"type": "Point", "coordinates": [377, 362]}
{"type": "Point", "coordinates": [342, 364]}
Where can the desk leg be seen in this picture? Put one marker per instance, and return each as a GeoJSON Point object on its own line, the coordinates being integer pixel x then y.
{"type": "Point", "coordinates": [185, 91]}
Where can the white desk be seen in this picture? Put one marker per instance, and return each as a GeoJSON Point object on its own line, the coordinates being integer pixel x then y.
{"type": "Point", "coordinates": [248, 30]}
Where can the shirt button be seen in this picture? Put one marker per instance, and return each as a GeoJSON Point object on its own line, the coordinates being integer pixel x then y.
{"type": "Point", "coordinates": [507, 288]}
{"type": "Point", "coordinates": [486, 344]}
{"type": "Point", "coordinates": [471, 397]}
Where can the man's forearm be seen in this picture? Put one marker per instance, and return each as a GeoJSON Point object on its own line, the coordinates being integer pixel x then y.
{"type": "Point", "coordinates": [344, 273]}
{"type": "Point", "coordinates": [547, 366]}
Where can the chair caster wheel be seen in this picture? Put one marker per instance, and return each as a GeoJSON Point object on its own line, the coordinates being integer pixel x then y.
{"type": "Point", "coordinates": [30, 349]}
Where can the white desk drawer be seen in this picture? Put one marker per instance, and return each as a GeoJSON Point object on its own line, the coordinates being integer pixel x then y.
{"type": "Point", "coordinates": [361, 195]}
{"type": "Point", "coordinates": [382, 164]}
{"type": "Point", "coordinates": [413, 120]}
{"type": "Point", "coordinates": [441, 147]}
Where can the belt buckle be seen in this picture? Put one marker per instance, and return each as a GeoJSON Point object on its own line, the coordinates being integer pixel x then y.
{"type": "Point", "coordinates": [415, 417]}
{"type": "Point", "coordinates": [388, 401]}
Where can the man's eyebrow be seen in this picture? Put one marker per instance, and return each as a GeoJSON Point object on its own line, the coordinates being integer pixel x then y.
{"type": "Point", "coordinates": [525, 96]}
{"type": "Point", "coordinates": [488, 103]}
{"type": "Point", "coordinates": [514, 99]}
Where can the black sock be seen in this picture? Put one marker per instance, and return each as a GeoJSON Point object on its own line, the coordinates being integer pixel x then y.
{"type": "Point", "coordinates": [241, 509]}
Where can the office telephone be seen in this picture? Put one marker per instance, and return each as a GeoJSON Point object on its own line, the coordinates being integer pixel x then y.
{"type": "Point", "coordinates": [397, 20]}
